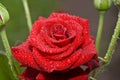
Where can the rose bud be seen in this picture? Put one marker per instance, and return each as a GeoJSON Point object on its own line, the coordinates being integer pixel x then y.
{"type": "Point", "coordinates": [57, 48]}
{"type": "Point", "coordinates": [4, 15]}
{"type": "Point", "coordinates": [102, 5]}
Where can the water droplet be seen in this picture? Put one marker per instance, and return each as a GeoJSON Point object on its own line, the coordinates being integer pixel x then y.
{"type": "Point", "coordinates": [68, 61]}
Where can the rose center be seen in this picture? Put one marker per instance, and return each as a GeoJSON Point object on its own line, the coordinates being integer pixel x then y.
{"type": "Point", "coordinates": [59, 32]}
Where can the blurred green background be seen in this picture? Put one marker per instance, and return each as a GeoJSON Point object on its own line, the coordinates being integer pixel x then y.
{"type": "Point", "coordinates": [17, 30]}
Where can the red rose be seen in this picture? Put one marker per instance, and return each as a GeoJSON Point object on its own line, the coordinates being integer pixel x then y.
{"type": "Point", "coordinates": [59, 43]}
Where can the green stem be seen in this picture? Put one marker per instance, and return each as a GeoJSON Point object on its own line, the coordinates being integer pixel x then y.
{"type": "Point", "coordinates": [111, 47]}
{"type": "Point", "coordinates": [91, 78]}
{"type": "Point", "coordinates": [99, 34]}
{"type": "Point", "coordinates": [27, 12]}
{"type": "Point", "coordinates": [101, 59]}
{"type": "Point", "coordinates": [113, 42]}
{"type": "Point", "coordinates": [100, 28]}
{"type": "Point", "coordinates": [8, 53]}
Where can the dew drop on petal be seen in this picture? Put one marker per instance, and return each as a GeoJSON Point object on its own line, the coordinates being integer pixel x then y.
{"type": "Point", "coordinates": [68, 61]}
{"type": "Point", "coordinates": [50, 51]}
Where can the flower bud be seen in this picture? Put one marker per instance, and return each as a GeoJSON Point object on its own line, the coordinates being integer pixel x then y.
{"type": "Point", "coordinates": [4, 15]}
{"type": "Point", "coordinates": [117, 2]}
{"type": "Point", "coordinates": [102, 5]}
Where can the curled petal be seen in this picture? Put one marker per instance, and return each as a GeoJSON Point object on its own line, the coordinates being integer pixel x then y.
{"type": "Point", "coordinates": [42, 46]}
{"type": "Point", "coordinates": [23, 54]}
{"type": "Point", "coordinates": [50, 65]}
{"type": "Point", "coordinates": [83, 22]}
{"type": "Point", "coordinates": [58, 43]}
{"type": "Point", "coordinates": [35, 30]}
{"type": "Point", "coordinates": [68, 52]}
{"type": "Point", "coordinates": [88, 53]}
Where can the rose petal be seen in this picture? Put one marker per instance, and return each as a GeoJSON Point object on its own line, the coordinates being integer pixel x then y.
{"type": "Point", "coordinates": [64, 42]}
{"type": "Point", "coordinates": [88, 53]}
{"type": "Point", "coordinates": [68, 52]}
{"type": "Point", "coordinates": [42, 46]}
{"type": "Point", "coordinates": [75, 74]}
{"type": "Point", "coordinates": [50, 65]}
{"type": "Point", "coordinates": [48, 41]}
{"type": "Point", "coordinates": [35, 30]}
{"type": "Point", "coordinates": [70, 25]}
{"type": "Point", "coordinates": [83, 22]}
{"type": "Point", "coordinates": [23, 54]}
{"type": "Point", "coordinates": [75, 44]}
{"type": "Point", "coordinates": [44, 64]}
{"type": "Point", "coordinates": [67, 17]}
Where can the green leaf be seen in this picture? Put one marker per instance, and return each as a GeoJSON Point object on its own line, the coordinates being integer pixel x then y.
{"type": "Point", "coordinates": [5, 72]}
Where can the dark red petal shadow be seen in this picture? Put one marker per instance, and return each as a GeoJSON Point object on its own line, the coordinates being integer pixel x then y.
{"type": "Point", "coordinates": [75, 74]}
{"type": "Point", "coordinates": [29, 74]}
